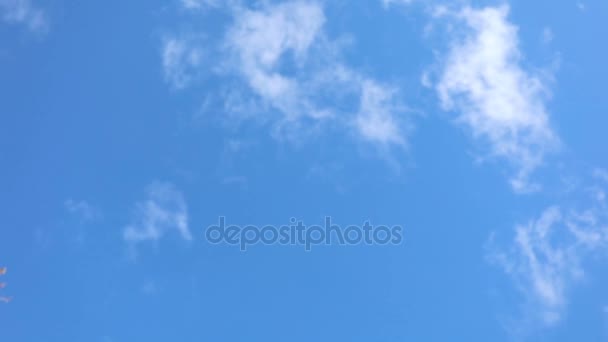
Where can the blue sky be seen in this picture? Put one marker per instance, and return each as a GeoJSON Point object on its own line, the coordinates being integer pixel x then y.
{"type": "Point", "coordinates": [128, 128]}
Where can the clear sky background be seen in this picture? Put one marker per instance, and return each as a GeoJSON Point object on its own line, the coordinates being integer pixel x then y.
{"type": "Point", "coordinates": [128, 127]}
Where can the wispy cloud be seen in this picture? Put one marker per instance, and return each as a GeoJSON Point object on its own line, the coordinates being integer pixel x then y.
{"type": "Point", "coordinates": [83, 210]}
{"type": "Point", "coordinates": [496, 98]}
{"type": "Point", "coordinates": [259, 41]}
{"type": "Point", "coordinates": [375, 120]}
{"type": "Point", "coordinates": [546, 257]}
{"type": "Point", "coordinates": [581, 6]}
{"type": "Point", "coordinates": [163, 211]}
{"type": "Point", "coordinates": [547, 36]}
{"type": "Point", "coordinates": [25, 13]}
{"type": "Point", "coordinates": [181, 60]}
{"type": "Point", "coordinates": [200, 4]}
{"type": "Point", "coordinates": [291, 74]}
{"type": "Point", "coordinates": [388, 3]}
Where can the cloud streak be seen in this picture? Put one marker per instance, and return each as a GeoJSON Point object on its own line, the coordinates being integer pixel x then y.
{"type": "Point", "coordinates": [25, 13]}
{"type": "Point", "coordinates": [163, 211]}
{"type": "Point", "coordinates": [546, 256]}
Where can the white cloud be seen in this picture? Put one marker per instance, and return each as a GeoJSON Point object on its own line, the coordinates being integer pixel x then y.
{"type": "Point", "coordinates": [375, 120]}
{"type": "Point", "coordinates": [181, 59]}
{"type": "Point", "coordinates": [291, 77]}
{"type": "Point", "coordinates": [501, 103]}
{"type": "Point", "coordinates": [163, 211]}
{"type": "Point", "coordinates": [291, 34]}
{"type": "Point", "coordinates": [23, 12]}
{"type": "Point", "coordinates": [546, 258]}
{"type": "Point", "coordinates": [260, 41]}
{"type": "Point", "coordinates": [543, 270]}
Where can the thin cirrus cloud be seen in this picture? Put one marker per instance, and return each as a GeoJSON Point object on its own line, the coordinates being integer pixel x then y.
{"type": "Point", "coordinates": [546, 257]}
{"type": "Point", "coordinates": [83, 210]}
{"type": "Point", "coordinates": [496, 98]}
{"type": "Point", "coordinates": [388, 3]}
{"type": "Point", "coordinates": [164, 211]}
{"type": "Point", "coordinates": [181, 59]}
{"type": "Point", "coordinates": [282, 56]}
{"type": "Point", "coordinates": [25, 13]}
